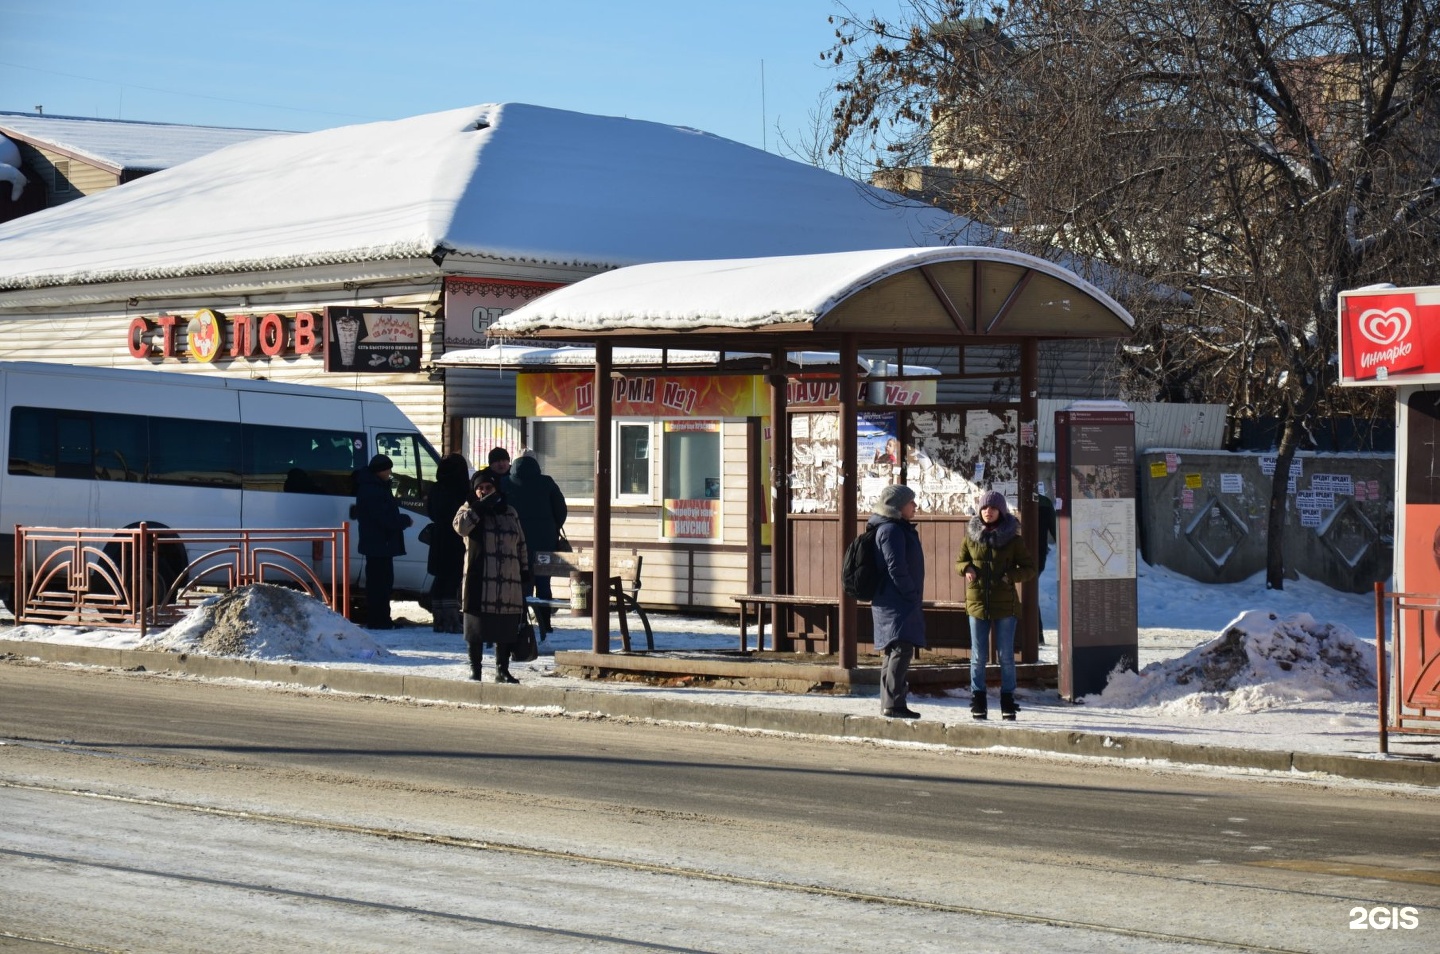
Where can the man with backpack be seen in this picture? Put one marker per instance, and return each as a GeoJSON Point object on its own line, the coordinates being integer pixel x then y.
{"type": "Point", "coordinates": [896, 605]}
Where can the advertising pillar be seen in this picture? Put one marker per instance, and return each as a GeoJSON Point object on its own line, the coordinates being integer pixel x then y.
{"type": "Point", "coordinates": [1096, 533]}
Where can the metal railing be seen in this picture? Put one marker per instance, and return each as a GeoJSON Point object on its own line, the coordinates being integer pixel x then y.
{"type": "Point", "coordinates": [137, 577]}
{"type": "Point", "coordinates": [1414, 668]}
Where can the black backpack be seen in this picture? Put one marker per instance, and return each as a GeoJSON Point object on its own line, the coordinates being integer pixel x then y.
{"type": "Point", "coordinates": [860, 570]}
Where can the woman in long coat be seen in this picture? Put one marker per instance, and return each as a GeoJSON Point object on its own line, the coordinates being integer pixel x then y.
{"type": "Point", "coordinates": [993, 559]}
{"type": "Point", "coordinates": [497, 567]}
{"type": "Point", "coordinates": [446, 560]}
{"type": "Point", "coordinates": [896, 608]}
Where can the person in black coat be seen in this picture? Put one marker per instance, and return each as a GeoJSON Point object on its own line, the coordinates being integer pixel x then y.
{"type": "Point", "coordinates": [382, 537]}
{"type": "Point", "coordinates": [542, 509]}
{"type": "Point", "coordinates": [446, 561]}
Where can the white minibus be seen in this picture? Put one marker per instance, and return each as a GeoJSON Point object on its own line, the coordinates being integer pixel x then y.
{"type": "Point", "coordinates": [110, 447]}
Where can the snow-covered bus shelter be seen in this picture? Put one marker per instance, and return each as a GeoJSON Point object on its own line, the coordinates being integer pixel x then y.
{"type": "Point", "coordinates": [926, 418]}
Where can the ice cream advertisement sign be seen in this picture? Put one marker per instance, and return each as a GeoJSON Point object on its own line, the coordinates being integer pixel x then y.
{"type": "Point", "coordinates": [1389, 336]}
{"type": "Point", "coordinates": [379, 340]}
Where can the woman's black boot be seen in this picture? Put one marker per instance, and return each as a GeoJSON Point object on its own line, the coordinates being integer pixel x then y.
{"type": "Point", "coordinates": [1008, 708]}
{"type": "Point", "coordinates": [977, 706]}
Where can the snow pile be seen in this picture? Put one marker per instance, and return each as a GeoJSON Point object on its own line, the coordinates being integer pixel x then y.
{"type": "Point", "coordinates": [261, 621]}
{"type": "Point", "coordinates": [1260, 661]}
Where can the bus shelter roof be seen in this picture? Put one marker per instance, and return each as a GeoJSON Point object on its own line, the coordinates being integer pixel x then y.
{"type": "Point", "coordinates": [929, 294]}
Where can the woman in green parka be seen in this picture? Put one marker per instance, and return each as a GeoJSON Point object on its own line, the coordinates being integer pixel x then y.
{"type": "Point", "coordinates": [993, 559]}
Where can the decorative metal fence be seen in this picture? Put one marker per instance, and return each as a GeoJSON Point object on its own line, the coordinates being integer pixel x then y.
{"type": "Point", "coordinates": [137, 577]}
{"type": "Point", "coordinates": [1409, 687]}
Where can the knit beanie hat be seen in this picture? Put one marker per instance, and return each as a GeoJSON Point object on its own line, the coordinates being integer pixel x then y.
{"type": "Point", "coordinates": [892, 498]}
{"type": "Point", "coordinates": [498, 454]}
{"type": "Point", "coordinates": [380, 463]}
{"type": "Point", "coordinates": [993, 498]}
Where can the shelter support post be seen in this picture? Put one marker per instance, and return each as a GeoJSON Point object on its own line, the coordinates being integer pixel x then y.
{"type": "Point", "coordinates": [1029, 477]}
{"type": "Point", "coordinates": [849, 485]}
{"type": "Point", "coordinates": [599, 585]}
{"type": "Point", "coordinates": [779, 492]}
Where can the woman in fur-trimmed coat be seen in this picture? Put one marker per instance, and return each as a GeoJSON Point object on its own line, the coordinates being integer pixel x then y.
{"type": "Point", "coordinates": [497, 568]}
{"type": "Point", "coordinates": [993, 559]}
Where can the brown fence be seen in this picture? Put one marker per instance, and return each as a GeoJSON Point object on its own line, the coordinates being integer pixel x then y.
{"type": "Point", "coordinates": [137, 577]}
{"type": "Point", "coordinates": [1409, 687]}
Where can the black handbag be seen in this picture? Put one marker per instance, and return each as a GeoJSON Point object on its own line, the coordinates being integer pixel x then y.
{"type": "Point", "coordinates": [526, 649]}
{"type": "Point", "coordinates": [562, 545]}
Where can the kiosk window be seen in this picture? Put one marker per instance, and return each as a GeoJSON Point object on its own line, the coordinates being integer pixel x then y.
{"type": "Point", "coordinates": [566, 451]}
{"type": "Point", "coordinates": [632, 460]}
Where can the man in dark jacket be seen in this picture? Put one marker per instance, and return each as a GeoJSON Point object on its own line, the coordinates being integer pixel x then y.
{"type": "Point", "coordinates": [382, 537]}
{"type": "Point", "coordinates": [896, 609]}
{"type": "Point", "coordinates": [542, 509]}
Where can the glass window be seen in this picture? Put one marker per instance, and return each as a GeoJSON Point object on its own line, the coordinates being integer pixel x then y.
{"type": "Point", "coordinates": [632, 460]}
{"type": "Point", "coordinates": [189, 452]}
{"type": "Point", "coordinates": [301, 460]}
{"type": "Point", "coordinates": [692, 460]}
{"type": "Point", "coordinates": [414, 463]}
{"type": "Point", "coordinates": [566, 451]}
{"type": "Point", "coordinates": [122, 447]}
{"type": "Point", "coordinates": [75, 446]}
{"type": "Point", "coordinates": [32, 441]}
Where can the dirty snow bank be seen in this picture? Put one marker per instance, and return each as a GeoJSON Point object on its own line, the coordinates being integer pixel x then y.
{"type": "Point", "coordinates": [1259, 661]}
{"type": "Point", "coordinates": [261, 621]}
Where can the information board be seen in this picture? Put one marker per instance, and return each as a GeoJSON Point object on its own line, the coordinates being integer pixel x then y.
{"type": "Point", "coordinates": [1096, 533]}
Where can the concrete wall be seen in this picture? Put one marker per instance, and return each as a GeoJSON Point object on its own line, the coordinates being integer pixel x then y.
{"type": "Point", "coordinates": [1203, 513]}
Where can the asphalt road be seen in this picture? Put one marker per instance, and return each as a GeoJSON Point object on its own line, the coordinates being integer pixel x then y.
{"type": "Point", "coordinates": [1141, 856]}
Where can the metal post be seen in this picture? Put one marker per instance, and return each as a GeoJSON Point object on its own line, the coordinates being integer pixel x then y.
{"type": "Point", "coordinates": [849, 485]}
{"type": "Point", "coordinates": [1380, 670]}
{"type": "Point", "coordinates": [600, 578]}
{"type": "Point", "coordinates": [780, 576]}
{"type": "Point", "coordinates": [1029, 454]}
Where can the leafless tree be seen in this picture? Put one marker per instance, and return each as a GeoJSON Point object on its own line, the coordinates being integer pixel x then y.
{"type": "Point", "coordinates": [1258, 155]}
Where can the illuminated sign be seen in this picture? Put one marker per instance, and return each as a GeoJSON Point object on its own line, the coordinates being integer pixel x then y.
{"type": "Point", "coordinates": [1390, 336]}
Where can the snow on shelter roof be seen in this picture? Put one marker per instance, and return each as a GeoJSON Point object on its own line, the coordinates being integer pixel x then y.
{"type": "Point", "coordinates": [926, 291]}
{"type": "Point", "coordinates": [512, 182]}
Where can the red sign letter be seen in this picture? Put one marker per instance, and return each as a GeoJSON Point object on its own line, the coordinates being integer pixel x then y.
{"type": "Point", "coordinates": [138, 347]}
{"type": "Point", "coordinates": [272, 334]}
{"type": "Point", "coordinates": [305, 342]}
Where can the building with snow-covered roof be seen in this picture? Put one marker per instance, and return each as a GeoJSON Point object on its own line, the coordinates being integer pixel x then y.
{"type": "Point", "coordinates": [51, 160]}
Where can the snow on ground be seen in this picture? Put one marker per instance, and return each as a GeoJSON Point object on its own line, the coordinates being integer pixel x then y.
{"type": "Point", "coordinates": [267, 622]}
{"type": "Point", "coordinates": [1233, 664]}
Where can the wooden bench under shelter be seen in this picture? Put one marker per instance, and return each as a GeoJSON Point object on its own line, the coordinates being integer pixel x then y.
{"type": "Point", "coordinates": [623, 588]}
{"type": "Point", "coordinates": [821, 613]}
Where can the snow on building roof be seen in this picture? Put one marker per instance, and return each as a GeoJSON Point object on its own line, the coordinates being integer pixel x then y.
{"type": "Point", "coordinates": [747, 293]}
{"type": "Point", "coordinates": [508, 182]}
{"type": "Point", "coordinates": [122, 145]}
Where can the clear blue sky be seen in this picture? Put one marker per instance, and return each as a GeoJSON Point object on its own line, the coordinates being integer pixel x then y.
{"type": "Point", "coordinates": [308, 64]}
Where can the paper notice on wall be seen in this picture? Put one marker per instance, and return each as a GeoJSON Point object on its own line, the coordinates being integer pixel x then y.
{"type": "Point", "coordinates": [1231, 484]}
{"type": "Point", "coordinates": [1158, 469]}
{"type": "Point", "coordinates": [1309, 518]}
{"type": "Point", "coordinates": [1193, 481]}
{"type": "Point", "coordinates": [1172, 462]}
{"type": "Point", "coordinates": [1332, 484]}
{"type": "Point", "coordinates": [1187, 499]}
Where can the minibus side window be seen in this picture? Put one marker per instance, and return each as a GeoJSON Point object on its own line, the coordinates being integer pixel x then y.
{"type": "Point", "coordinates": [32, 441]}
{"type": "Point", "coordinates": [122, 447]}
{"type": "Point", "coordinates": [184, 452]}
{"type": "Point", "coordinates": [301, 460]}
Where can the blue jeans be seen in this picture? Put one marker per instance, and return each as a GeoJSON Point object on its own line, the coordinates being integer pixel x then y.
{"type": "Point", "coordinates": [1004, 629]}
